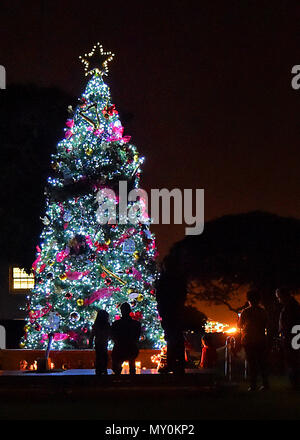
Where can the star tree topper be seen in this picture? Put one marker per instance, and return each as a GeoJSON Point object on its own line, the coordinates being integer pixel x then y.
{"type": "Point", "coordinates": [96, 61]}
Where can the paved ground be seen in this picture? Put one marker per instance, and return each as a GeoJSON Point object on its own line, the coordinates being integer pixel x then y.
{"type": "Point", "coordinates": [80, 395]}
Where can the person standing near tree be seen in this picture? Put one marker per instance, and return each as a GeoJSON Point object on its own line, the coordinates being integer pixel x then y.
{"type": "Point", "coordinates": [253, 325]}
{"type": "Point", "coordinates": [101, 333]}
{"type": "Point", "coordinates": [125, 334]}
{"type": "Point", "coordinates": [289, 317]}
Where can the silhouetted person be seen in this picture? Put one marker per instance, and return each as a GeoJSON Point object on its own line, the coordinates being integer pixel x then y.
{"type": "Point", "coordinates": [253, 325]}
{"type": "Point", "coordinates": [289, 317]}
{"type": "Point", "coordinates": [175, 343]}
{"type": "Point", "coordinates": [101, 333]}
{"type": "Point", "coordinates": [125, 334]}
{"type": "Point", "coordinates": [209, 353]}
{"type": "Point", "coordinates": [170, 296]}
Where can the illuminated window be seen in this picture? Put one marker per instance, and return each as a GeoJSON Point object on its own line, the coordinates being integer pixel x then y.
{"type": "Point", "coordinates": [20, 280]}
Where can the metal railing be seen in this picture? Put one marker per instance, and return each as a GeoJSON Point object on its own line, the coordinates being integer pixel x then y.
{"type": "Point", "coordinates": [230, 345]}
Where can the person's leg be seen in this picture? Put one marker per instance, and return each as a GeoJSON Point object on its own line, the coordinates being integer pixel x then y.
{"type": "Point", "coordinates": [175, 351]}
{"type": "Point", "coordinates": [116, 362]}
{"type": "Point", "coordinates": [97, 360]}
{"type": "Point", "coordinates": [252, 365]}
{"type": "Point", "coordinates": [132, 365]}
{"type": "Point", "coordinates": [101, 359]}
{"type": "Point", "coordinates": [180, 353]}
{"type": "Point", "coordinates": [263, 366]}
{"type": "Point", "coordinates": [292, 363]}
{"type": "Point", "coordinates": [104, 360]}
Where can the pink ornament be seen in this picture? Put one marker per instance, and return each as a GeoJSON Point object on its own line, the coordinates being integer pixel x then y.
{"type": "Point", "coordinates": [42, 268]}
{"type": "Point", "coordinates": [60, 336]}
{"type": "Point", "coordinates": [76, 275]}
{"type": "Point", "coordinates": [44, 338]}
{"type": "Point", "coordinates": [62, 255]}
{"type": "Point", "coordinates": [68, 134]}
{"type": "Point", "coordinates": [89, 241]}
{"type": "Point", "coordinates": [117, 133]}
{"type": "Point", "coordinates": [98, 132]}
{"type": "Point", "coordinates": [105, 292]}
{"type": "Point", "coordinates": [35, 263]}
{"type": "Point", "coordinates": [70, 123]}
{"type": "Point", "coordinates": [137, 275]}
{"type": "Point", "coordinates": [33, 315]}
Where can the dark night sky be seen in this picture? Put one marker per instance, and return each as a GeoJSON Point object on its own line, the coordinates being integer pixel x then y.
{"type": "Point", "coordinates": [209, 84]}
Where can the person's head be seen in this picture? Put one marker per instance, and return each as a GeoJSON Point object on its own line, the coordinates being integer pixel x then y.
{"type": "Point", "coordinates": [102, 317]}
{"type": "Point", "coordinates": [283, 294]}
{"type": "Point", "coordinates": [125, 309]}
{"type": "Point", "coordinates": [253, 297]}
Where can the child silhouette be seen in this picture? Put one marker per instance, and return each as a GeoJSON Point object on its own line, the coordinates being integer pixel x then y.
{"type": "Point", "coordinates": [209, 353]}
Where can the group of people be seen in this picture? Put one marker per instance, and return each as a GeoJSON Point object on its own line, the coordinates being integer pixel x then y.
{"type": "Point", "coordinates": [253, 323]}
{"type": "Point", "coordinates": [124, 332]}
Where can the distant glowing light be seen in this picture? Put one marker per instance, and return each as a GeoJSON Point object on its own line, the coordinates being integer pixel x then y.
{"type": "Point", "coordinates": [231, 330]}
{"type": "Point", "coordinates": [215, 327]}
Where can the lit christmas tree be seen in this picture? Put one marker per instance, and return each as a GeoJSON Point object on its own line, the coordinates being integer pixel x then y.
{"type": "Point", "coordinates": [84, 264]}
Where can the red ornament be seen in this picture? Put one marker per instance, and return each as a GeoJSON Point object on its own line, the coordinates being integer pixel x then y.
{"type": "Point", "coordinates": [101, 247]}
{"type": "Point", "coordinates": [38, 327]}
{"type": "Point", "coordinates": [109, 111]}
{"type": "Point", "coordinates": [136, 315]}
{"type": "Point", "coordinates": [126, 139]}
{"type": "Point", "coordinates": [83, 102]}
{"type": "Point", "coordinates": [108, 281]}
{"type": "Point", "coordinates": [42, 268]}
